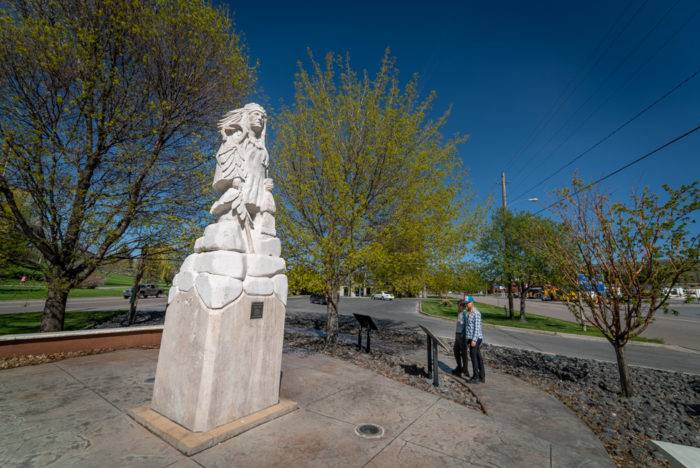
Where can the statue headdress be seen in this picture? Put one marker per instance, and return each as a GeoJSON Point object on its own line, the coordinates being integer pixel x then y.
{"type": "Point", "coordinates": [239, 117]}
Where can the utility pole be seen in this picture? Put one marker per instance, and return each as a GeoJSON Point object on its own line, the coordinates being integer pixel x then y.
{"type": "Point", "coordinates": [509, 278]}
{"type": "Point", "coordinates": [503, 191]}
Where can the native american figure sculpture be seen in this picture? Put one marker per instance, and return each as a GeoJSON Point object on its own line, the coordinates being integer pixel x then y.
{"type": "Point", "coordinates": [224, 325]}
{"type": "Point", "coordinates": [241, 171]}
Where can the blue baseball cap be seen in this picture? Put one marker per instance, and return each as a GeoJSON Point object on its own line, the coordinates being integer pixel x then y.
{"type": "Point", "coordinates": [468, 299]}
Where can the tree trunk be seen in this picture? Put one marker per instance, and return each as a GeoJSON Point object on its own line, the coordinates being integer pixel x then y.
{"type": "Point", "coordinates": [55, 305]}
{"type": "Point", "coordinates": [625, 381]}
{"type": "Point", "coordinates": [332, 299]}
{"type": "Point", "coordinates": [523, 291]}
{"type": "Point", "coordinates": [134, 298]}
{"type": "Point", "coordinates": [510, 299]}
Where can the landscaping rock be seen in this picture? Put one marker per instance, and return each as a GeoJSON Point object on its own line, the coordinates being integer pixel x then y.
{"type": "Point", "coordinates": [659, 410]}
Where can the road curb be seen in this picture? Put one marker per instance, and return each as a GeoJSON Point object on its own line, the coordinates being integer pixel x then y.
{"type": "Point", "coordinates": [570, 335]}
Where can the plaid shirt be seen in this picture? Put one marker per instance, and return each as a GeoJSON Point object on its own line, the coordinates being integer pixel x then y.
{"type": "Point", "coordinates": [473, 328]}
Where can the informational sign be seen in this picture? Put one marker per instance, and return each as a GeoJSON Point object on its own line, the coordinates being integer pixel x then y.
{"type": "Point", "coordinates": [367, 323]}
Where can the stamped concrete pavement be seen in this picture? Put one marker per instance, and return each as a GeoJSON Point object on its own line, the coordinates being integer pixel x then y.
{"type": "Point", "coordinates": [73, 413]}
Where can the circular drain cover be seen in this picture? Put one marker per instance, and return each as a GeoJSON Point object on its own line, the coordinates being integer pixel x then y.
{"type": "Point", "coordinates": [369, 431]}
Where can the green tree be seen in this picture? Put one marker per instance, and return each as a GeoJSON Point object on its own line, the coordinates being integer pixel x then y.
{"type": "Point", "coordinates": [304, 280]}
{"type": "Point", "coordinates": [105, 114]}
{"type": "Point", "coordinates": [355, 158]}
{"type": "Point", "coordinates": [512, 252]}
{"type": "Point", "coordinates": [468, 279]}
{"type": "Point", "coordinates": [530, 264]}
{"type": "Point", "coordinates": [635, 251]}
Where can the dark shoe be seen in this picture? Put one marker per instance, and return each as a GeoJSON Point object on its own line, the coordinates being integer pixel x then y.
{"type": "Point", "coordinates": [457, 372]}
{"type": "Point", "coordinates": [482, 380]}
{"type": "Point", "coordinates": [474, 380]}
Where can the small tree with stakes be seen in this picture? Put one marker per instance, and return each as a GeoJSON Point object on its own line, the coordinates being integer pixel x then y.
{"type": "Point", "coordinates": [622, 260]}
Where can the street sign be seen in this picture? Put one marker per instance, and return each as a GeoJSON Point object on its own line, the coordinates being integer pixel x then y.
{"type": "Point", "coordinates": [585, 285]}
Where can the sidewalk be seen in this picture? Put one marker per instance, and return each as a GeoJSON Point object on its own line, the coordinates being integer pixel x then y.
{"type": "Point", "coordinates": [73, 413]}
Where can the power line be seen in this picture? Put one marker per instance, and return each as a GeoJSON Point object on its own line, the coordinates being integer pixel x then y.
{"type": "Point", "coordinates": [629, 164]}
{"type": "Point", "coordinates": [622, 85]}
{"type": "Point", "coordinates": [619, 65]}
{"type": "Point", "coordinates": [612, 133]}
{"type": "Point", "coordinates": [547, 117]}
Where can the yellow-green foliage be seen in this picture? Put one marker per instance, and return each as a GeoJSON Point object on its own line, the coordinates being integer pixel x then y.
{"type": "Point", "coordinates": [303, 280]}
{"type": "Point", "coordinates": [367, 180]}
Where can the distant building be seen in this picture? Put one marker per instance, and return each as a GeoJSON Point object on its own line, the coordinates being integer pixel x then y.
{"type": "Point", "coordinates": [355, 291]}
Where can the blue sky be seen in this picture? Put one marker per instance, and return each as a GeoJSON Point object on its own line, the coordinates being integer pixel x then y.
{"type": "Point", "coordinates": [507, 68]}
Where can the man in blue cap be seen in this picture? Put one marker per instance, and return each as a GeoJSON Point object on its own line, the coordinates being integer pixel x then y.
{"type": "Point", "coordinates": [474, 336]}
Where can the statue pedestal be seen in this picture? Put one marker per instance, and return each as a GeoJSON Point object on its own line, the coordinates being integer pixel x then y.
{"type": "Point", "coordinates": [219, 365]}
{"type": "Point", "coordinates": [218, 371]}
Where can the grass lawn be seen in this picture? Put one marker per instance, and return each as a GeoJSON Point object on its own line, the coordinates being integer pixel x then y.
{"type": "Point", "coordinates": [115, 283]}
{"type": "Point", "coordinates": [29, 322]}
{"type": "Point", "coordinates": [496, 316]}
{"type": "Point", "coordinates": [119, 279]}
{"type": "Point", "coordinates": [17, 292]}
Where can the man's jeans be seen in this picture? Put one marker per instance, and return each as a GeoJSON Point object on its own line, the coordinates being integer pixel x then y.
{"type": "Point", "coordinates": [460, 352]}
{"type": "Point", "coordinates": [477, 362]}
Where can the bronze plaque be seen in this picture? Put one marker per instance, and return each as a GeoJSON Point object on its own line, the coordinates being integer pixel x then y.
{"type": "Point", "coordinates": [256, 310]}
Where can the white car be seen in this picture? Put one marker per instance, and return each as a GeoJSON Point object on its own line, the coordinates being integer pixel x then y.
{"type": "Point", "coordinates": [383, 296]}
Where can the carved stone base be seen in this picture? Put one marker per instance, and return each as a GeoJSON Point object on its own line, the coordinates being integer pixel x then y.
{"type": "Point", "coordinates": [189, 442]}
{"type": "Point", "coordinates": [219, 365]}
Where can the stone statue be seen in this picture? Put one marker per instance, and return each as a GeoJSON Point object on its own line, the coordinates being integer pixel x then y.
{"type": "Point", "coordinates": [241, 172]}
{"type": "Point", "coordinates": [220, 356]}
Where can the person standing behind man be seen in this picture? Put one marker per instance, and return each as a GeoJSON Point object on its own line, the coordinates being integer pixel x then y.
{"type": "Point", "coordinates": [475, 336]}
{"type": "Point", "coordinates": [460, 346]}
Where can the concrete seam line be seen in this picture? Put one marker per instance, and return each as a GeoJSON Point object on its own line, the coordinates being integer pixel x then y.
{"type": "Point", "coordinates": [438, 451]}
{"type": "Point", "coordinates": [121, 413]}
{"type": "Point", "coordinates": [404, 430]}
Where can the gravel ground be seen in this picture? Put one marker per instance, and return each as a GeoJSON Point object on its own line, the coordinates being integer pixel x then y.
{"type": "Point", "coordinates": [391, 354]}
{"type": "Point", "coordinates": [34, 359]}
{"type": "Point", "coordinates": [666, 406]}
{"type": "Point", "coordinates": [142, 318]}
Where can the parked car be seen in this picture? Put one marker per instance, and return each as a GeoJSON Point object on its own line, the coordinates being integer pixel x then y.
{"type": "Point", "coordinates": [383, 296]}
{"type": "Point", "coordinates": [145, 290]}
{"type": "Point", "coordinates": [318, 299]}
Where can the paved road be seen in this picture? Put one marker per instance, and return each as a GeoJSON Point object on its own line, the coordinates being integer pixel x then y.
{"type": "Point", "coordinates": [87, 303]}
{"type": "Point", "coordinates": [681, 330]}
{"type": "Point", "coordinates": [405, 310]}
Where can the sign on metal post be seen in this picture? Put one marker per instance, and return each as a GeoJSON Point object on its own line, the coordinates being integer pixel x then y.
{"type": "Point", "coordinates": [365, 321]}
{"type": "Point", "coordinates": [433, 342]}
